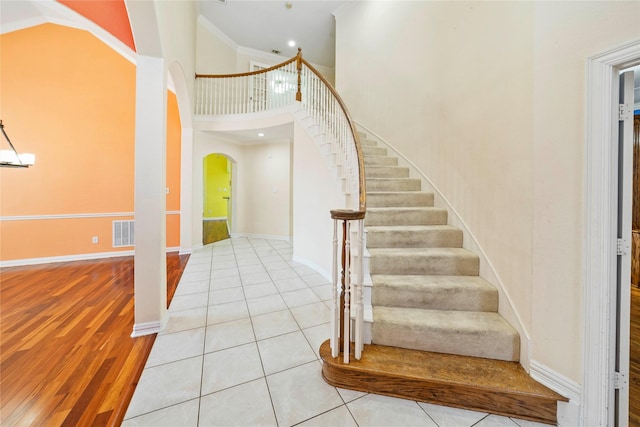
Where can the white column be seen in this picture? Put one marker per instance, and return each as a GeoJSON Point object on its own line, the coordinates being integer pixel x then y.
{"type": "Point", "coordinates": [186, 192]}
{"type": "Point", "coordinates": [150, 278]}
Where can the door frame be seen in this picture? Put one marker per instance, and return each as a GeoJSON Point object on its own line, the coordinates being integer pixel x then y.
{"type": "Point", "coordinates": [600, 263]}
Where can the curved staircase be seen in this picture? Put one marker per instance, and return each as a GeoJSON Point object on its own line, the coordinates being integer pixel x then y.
{"type": "Point", "coordinates": [426, 294]}
{"type": "Point", "coordinates": [436, 334]}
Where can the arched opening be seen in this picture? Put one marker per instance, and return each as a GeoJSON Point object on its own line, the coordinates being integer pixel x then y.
{"type": "Point", "coordinates": [217, 202]}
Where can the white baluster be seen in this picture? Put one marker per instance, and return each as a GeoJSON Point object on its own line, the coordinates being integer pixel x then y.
{"type": "Point", "coordinates": [335, 307]}
{"type": "Point", "coordinates": [359, 314]}
{"type": "Point", "coordinates": [347, 294]}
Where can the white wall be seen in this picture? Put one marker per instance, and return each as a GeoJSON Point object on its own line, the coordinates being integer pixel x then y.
{"type": "Point", "coordinates": [260, 188]}
{"type": "Point", "coordinates": [565, 34]}
{"type": "Point", "coordinates": [315, 193]}
{"type": "Point", "coordinates": [215, 54]}
{"type": "Point", "coordinates": [264, 198]}
{"type": "Point", "coordinates": [487, 98]}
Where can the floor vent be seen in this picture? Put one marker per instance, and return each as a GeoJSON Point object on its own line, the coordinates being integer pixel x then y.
{"type": "Point", "coordinates": [123, 233]}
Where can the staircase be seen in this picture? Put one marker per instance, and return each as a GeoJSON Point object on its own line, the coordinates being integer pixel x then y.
{"type": "Point", "coordinates": [426, 294]}
{"type": "Point", "coordinates": [436, 333]}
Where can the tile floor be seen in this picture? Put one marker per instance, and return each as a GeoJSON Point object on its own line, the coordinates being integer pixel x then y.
{"type": "Point", "coordinates": [241, 349]}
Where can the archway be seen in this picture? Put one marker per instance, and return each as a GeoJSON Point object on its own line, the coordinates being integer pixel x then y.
{"type": "Point", "coordinates": [217, 198]}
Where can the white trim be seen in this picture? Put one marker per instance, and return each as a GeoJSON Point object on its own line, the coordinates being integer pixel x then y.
{"type": "Point", "coordinates": [568, 412]}
{"type": "Point", "coordinates": [73, 216]}
{"type": "Point", "coordinates": [148, 328]}
{"type": "Point", "coordinates": [261, 236]}
{"type": "Point", "coordinates": [487, 270]}
{"type": "Point", "coordinates": [555, 381]}
{"type": "Point", "coordinates": [78, 257]}
{"type": "Point", "coordinates": [64, 258]}
{"type": "Point", "coordinates": [214, 218]}
{"type": "Point", "coordinates": [54, 12]}
{"type": "Point", "coordinates": [321, 271]}
{"type": "Point", "coordinates": [600, 233]}
{"type": "Point", "coordinates": [65, 216]}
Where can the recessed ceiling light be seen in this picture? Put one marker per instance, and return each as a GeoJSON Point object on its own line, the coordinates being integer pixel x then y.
{"type": "Point", "coordinates": [261, 134]}
{"type": "Point", "coordinates": [292, 43]}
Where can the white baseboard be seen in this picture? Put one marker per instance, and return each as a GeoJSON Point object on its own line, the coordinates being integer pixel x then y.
{"type": "Point", "coordinates": [261, 236]}
{"type": "Point", "coordinates": [568, 412]}
{"type": "Point", "coordinates": [148, 328]}
{"type": "Point", "coordinates": [77, 257]}
{"type": "Point", "coordinates": [324, 273]}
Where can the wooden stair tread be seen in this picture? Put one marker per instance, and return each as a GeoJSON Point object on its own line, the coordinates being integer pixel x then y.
{"type": "Point", "coordinates": [478, 384]}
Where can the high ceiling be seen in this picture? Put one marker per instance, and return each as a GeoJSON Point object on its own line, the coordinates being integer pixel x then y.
{"type": "Point", "coordinates": [264, 25]}
{"type": "Point", "coordinates": [270, 25]}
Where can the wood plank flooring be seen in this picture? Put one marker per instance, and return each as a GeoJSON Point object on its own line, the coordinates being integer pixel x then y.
{"type": "Point", "coordinates": [214, 231]}
{"type": "Point", "coordinates": [66, 355]}
{"type": "Point", "coordinates": [484, 385]}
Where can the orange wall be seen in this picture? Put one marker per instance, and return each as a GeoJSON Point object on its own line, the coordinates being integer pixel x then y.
{"type": "Point", "coordinates": [109, 14]}
{"type": "Point", "coordinates": [174, 138]}
{"type": "Point", "coordinates": [70, 99]}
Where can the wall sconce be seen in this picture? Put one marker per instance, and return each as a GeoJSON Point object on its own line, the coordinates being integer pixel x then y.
{"type": "Point", "coordinates": [11, 158]}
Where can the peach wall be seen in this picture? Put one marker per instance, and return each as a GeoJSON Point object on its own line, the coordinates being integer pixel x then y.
{"type": "Point", "coordinates": [174, 136]}
{"type": "Point", "coordinates": [70, 99]}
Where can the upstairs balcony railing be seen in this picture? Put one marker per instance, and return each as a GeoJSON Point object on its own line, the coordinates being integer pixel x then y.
{"type": "Point", "coordinates": [295, 82]}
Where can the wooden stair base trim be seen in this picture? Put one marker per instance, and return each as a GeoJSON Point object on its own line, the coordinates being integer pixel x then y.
{"type": "Point", "coordinates": [484, 385]}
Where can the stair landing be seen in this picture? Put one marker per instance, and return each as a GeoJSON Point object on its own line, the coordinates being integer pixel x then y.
{"type": "Point", "coordinates": [485, 385]}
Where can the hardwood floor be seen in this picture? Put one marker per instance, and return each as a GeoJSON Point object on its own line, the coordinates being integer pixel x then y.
{"type": "Point", "coordinates": [66, 355]}
{"type": "Point", "coordinates": [485, 385]}
{"type": "Point", "coordinates": [214, 231]}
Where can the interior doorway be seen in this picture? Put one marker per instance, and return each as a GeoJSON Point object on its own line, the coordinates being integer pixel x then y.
{"type": "Point", "coordinates": [217, 198]}
{"type": "Point", "coordinates": [598, 406]}
{"type": "Point", "coordinates": [634, 312]}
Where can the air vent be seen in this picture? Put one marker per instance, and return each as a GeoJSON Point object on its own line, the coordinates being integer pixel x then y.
{"type": "Point", "coordinates": [123, 233]}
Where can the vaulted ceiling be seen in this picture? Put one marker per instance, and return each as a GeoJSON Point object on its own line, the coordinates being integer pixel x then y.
{"type": "Point", "coordinates": [267, 26]}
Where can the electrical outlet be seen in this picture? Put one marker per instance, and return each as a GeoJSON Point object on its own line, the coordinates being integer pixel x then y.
{"type": "Point", "coordinates": [94, 239]}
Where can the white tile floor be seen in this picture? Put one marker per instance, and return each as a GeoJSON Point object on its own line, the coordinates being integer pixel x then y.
{"type": "Point", "coordinates": [241, 349]}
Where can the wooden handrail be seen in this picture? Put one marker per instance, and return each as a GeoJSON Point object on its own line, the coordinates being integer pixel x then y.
{"type": "Point", "coordinates": [354, 132]}
{"type": "Point", "coordinates": [249, 73]}
{"type": "Point", "coordinates": [362, 201]}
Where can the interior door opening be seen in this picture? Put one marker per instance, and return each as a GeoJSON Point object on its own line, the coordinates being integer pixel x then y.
{"type": "Point", "coordinates": [217, 198]}
{"type": "Point", "coordinates": [627, 409]}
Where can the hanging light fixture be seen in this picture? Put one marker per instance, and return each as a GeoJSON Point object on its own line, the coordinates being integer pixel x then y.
{"type": "Point", "coordinates": [11, 158]}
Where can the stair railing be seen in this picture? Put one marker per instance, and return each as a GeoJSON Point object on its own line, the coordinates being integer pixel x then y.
{"type": "Point", "coordinates": [326, 117]}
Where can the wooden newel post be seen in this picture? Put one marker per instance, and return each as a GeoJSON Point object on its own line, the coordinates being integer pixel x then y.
{"type": "Point", "coordinates": [299, 68]}
{"type": "Point", "coordinates": [341, 307]}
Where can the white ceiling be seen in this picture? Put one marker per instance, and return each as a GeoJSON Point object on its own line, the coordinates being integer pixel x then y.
{"type": "Point", "coordinates": [264, 25]}
{"type": "Point", "coordinates": [271, 135]}
{"type": "Point", "coordinates": [268, 25]}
